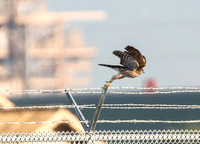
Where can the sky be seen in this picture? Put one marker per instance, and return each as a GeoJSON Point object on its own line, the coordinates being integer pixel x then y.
{"type": "Point", "coordinates": [165, 31]}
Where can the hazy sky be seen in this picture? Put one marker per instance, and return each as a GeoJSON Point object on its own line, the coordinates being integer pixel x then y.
{"type": "Point", "coordinates": [167, 32]}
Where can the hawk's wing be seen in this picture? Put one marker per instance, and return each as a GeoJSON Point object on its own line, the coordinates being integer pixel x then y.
{"type": "Point", "coordinates": [136, 55]}
{"type": "Point", "coordinates": [126, 60]}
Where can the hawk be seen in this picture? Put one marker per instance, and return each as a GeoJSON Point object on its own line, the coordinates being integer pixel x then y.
{"type": "Point", "coordinates": [132, 62]}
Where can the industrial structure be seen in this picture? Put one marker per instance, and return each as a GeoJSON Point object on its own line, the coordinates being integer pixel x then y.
{"type": "Point", "coordinates": [37, 52]}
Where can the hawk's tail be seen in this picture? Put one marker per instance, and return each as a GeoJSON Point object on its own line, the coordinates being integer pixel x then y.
{"type": "Point", "coordinates": [115, 67]}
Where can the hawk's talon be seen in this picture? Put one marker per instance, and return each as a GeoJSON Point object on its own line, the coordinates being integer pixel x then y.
{"type": "Point", "coordinates": [107, 84]}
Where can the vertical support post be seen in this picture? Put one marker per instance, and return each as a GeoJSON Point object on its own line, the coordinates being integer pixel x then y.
{"type": "Point", "coordinates": [98, 109]}
{"type": "Point", "coordinates": [78, 112]}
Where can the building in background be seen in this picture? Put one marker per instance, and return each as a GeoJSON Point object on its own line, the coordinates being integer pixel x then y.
{"type": "Point", "coordinates": [37, 52]}
{"type": "Point", "coordinates": [45, 119]}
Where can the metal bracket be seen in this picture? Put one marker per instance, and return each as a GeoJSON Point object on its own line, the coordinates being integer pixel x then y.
{"type": "Point", "coordinates": [78, 112]}
{"type": "Point", "coordinates": [97, 113]}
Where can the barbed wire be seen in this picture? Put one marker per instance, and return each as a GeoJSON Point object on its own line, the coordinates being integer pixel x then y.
{"type": "Point", "coordinates": [105, 121]}
{"type": "Point", "coordinates": [150, 106]}
{"type": "Point", "coordinates": [167, 90]}
{"type": "Point", "coordinates": [155, 92]}
{"type": "Point", "coordinates": [150, 121]}
{"type": "Point", "coordinates": [153, 105]}
{"type": "Point", "coordinates": [41, 122]}
{"type": "Point", "coordinates": [50, 107]}
{"type": "Point", "coordinates": [139, 88]}
{"type": "Point", "coordinates": [23, 92]}
{"type": "Point", "coordinates": [110, 106]}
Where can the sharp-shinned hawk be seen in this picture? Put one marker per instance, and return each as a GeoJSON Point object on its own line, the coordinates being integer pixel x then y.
{"type": "Point", "coordinates": [132, 62]}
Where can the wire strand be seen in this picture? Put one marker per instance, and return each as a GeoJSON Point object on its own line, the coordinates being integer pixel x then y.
{"type": "Point", "coordinates": [135, 90]}
{"type": "Point", "coordinates": [111, 106]}
{"type": "Point", "coordinates": [105, 121]}
{"type": "Point", "coordinates": [50, 107]}
{"type": "Point", "coordinates": [149, 121]}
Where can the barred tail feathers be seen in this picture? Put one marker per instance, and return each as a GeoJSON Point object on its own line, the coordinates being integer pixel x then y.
{"type": "Point", "coordinates": [115, 67]}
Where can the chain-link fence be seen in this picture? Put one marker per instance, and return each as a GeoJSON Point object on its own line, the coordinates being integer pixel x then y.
{"type": "Point", "coordinates": [147, 137]}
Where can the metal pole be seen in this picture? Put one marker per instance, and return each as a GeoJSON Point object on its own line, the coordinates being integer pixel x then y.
{"type": "Point", "coordinates": [98, 109]}
{"type": "Point", "coordinates": [78, 112]}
